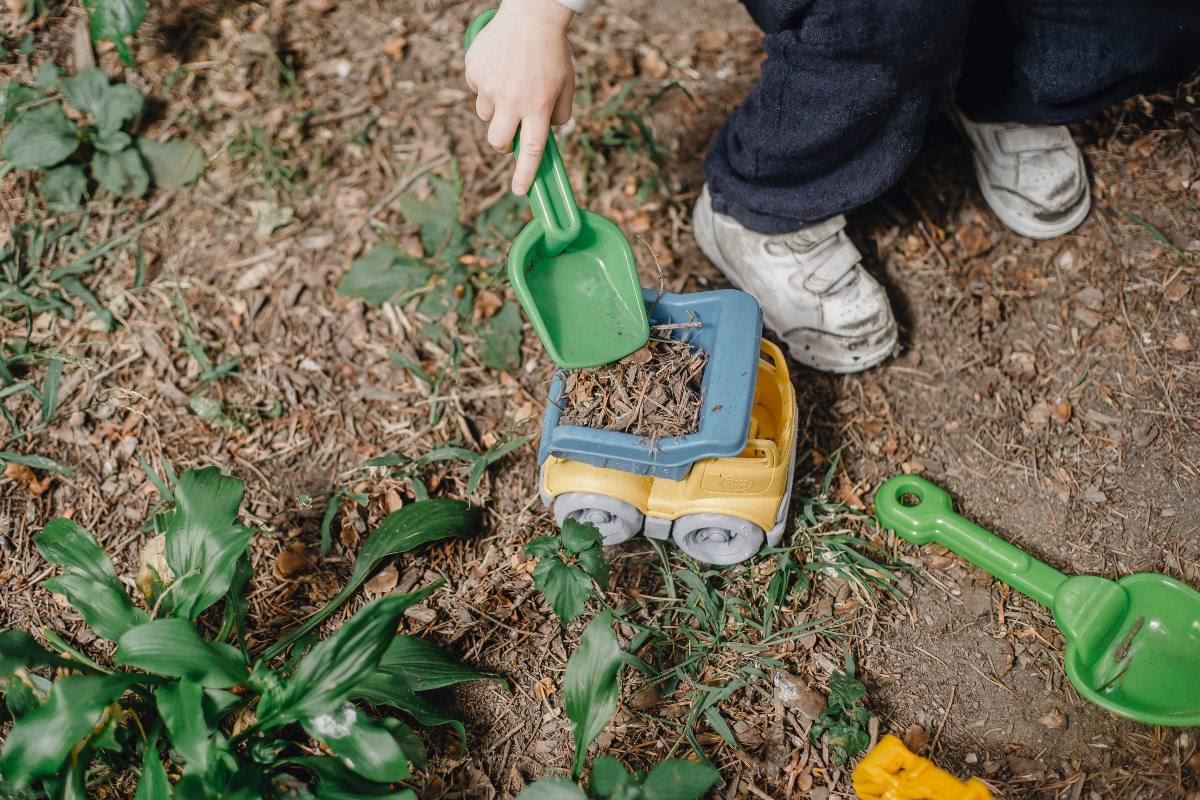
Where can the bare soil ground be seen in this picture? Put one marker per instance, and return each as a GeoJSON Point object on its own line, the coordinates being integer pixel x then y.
{"type": "Point", "coordinates": [1051, 386]}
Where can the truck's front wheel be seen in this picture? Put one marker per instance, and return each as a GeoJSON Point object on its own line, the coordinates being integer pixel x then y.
{"type": "Point", "coordinates": [717, 538]}
{"type": "Point", "coordinates": [616, 520]}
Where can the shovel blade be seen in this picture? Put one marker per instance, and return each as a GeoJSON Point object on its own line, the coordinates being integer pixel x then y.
{"type": "Point", "coordinates": [1148, 666]}
{"type": "Point", "coordinates": [585, 302]}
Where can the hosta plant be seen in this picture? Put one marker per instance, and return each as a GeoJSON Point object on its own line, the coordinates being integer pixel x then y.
{"type": "Point", "coordinates": [40, 136]}
{"type": "Point", "coordinates": [186, 710]}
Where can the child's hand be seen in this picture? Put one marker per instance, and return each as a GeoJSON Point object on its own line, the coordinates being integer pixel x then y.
{"type": "Point", "coordinates": [520, 67]}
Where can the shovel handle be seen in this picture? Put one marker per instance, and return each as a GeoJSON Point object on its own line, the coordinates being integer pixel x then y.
{"type": "Point", "coordinates": [550, 197]}
{"type": "Point", "coordinates": [922, 512]}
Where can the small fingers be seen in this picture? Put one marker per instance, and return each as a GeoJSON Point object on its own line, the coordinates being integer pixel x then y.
{"type": "Point", "coordinates": [485, 108]}
{"type": "Point", "coordinates": [502, 130]}
{"type": "Point", "coordinates": [533, 143]}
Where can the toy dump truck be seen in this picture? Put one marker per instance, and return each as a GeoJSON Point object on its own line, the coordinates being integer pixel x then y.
{"type": "Point", "coordinates": [720, 492]}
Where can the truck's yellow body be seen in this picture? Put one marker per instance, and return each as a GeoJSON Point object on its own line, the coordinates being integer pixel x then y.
{"type": "Point", "coordinates": [752, 486]}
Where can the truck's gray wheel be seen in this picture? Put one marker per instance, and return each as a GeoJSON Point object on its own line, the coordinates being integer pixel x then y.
{"type": "Point", "coordinates": [616, 520]}
{"type": "Point", "coordinates": [717, 538]}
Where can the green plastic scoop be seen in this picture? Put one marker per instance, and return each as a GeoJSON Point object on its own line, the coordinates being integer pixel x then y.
{"type": "Point", "coordinates": [1133, 646]}
{"type": "Point", "coordinates": [572, 270]}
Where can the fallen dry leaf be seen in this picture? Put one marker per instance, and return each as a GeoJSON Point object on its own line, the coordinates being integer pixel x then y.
{"type": "Point", "coordinates": [714, 40]}
{"type": "Point", "coordinates": [1053, 719]}
{"type": "Point", "coordinates": [487, 303]}
{"type": "Point", "coordinates": [26, 477]}
{"type": "Point", "coordinates": [1061, 412]}
{"type": "Point", "coordinates": [392, 501]}
{"type": "Point", "coordinates": [915, 738]}
{"type": "Point", "coordinates": [973, 239]}
{"type": "Point", "coordinates": [912, 467]}
{"type": "Point", "coordinates": [1180, 342]}
{"type": "Point", "coordinates": [383, 583]}
{"type": "Point", "coordinates": [1039, 414]}
{"type": "Point", "coordinates": [848, 493]}
{"type": "Point", "coordinates": [544, 688]}
{"type": "Point", "coordinates": [291, 561]}
{"type": "Point", "coordinates": [394, 48]}
{"type": "Point", "coordinates": [652, 63]}
{"type": "Point", "coordinates": [1176, 291]}
{"type": "Point", "coordinates": [794, 692]}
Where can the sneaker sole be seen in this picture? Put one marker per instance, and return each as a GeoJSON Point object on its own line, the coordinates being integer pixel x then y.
{"type": "Point", "coordinates": [885, 344]}
{"type": "Point", "coordinates": [1035, 228]}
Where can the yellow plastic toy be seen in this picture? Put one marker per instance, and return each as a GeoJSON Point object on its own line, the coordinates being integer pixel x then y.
{"type": "Point", "coordinates": [893, 772]}
{"type": "Point", "coordinates": [722, 511]}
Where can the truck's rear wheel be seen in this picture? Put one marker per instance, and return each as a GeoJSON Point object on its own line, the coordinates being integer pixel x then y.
{"type": "Point", "coordinates": [616, 520]}
{"type": "Point", "coordinates": [717, 538]}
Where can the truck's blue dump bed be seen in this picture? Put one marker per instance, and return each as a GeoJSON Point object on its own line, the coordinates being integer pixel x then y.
{"type": "Point", "coordinates": [730, 329]}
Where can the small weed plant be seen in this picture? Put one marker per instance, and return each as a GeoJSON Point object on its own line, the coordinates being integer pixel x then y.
{"type": "Point", "coordinates": [844, 721]}
{"type": "Point", "coordinates": [186, 707]}
{"type": "Point", "coordinates": [41, 137]}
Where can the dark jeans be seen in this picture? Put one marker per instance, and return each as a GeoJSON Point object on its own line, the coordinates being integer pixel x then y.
{"type": "Point", "coordinates": [849, 86]}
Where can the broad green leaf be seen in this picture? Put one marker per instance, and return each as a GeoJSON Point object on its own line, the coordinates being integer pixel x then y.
{"type": "Point", "coordinates": [174, 648]}
{"type": "Point", "coordinates": [40, 138]}
{"type": "Point", "coordinates": [204, 539]}
{"type": "Point", "coordinates": [121, 173]}
{"type": "Point", "coordinates": [552, 789]}
{"type": "Point", "coordinates": [40, 742]}
{"type": "Point", "coordinates": [502, 220]}
{"type": "Point", "coordinates": [47, 76]}
{"type": "Point", "coordinates": [365, 746]}
{"type": "Point", "coordinates": [591, 685]}
{"type": "Point", "coordinates": [403, 530]}
{"type": "Point", "coordinates": [676, 779]}
{"type": "Point", "coordinates": [579, 536]}
{"type": "Point", "coordinates": [500, 338]}
{"type": "Point", "coordinates": [105, 607]}
{"type": "Point", "coordinates": [14, 96]}
{"type": "Point", "coordinates": [118, 104]}
{"type": "Point", "coordinates": [174, 163]}
{"type": "Point", "coordinates": [65, 544]}
{"type": "Point", "coordinates": [112, 141]}
{"type": "Point", "coordinates": [34, 462]}
{"type": "Point", "coordinates": [609, 776]}
{"type": "Point", "coordinates": [114, 20]}
{"type": "Point", "coordinates": [153, 783]}
{"type": "Point", "coordinates": [19, 697]}
{"type": "Point", "coordinates": [595, 564]}
{"type": "Point", "coordinates": [337, 782]}
{"type": "Point", "coordinates": [383, 273]}
{"type": "Point", "coordinates": [385, 689]}
{"type": "Point", "coordinates": [442, 235]}
{"type": "Point", "coordinates": [20, 650]}
{"type": "Point", "coordinates": [544, 546]}
{"type": "Point", "coordinates": [85, 91]}
{"type": "Point", "coordinates": [325, 678]}
{"type": "Point", "coordinates": [424, 666]}
{"type": "Point", "coordinates": [181, 706]}
{"type": "Point", "coordinates": [450, 290]}
{"type": "Point", "coordinates": [567, 589]}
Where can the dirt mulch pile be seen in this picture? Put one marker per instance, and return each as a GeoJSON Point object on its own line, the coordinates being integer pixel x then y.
{"type": "Point", "coordinates": [651, 392]}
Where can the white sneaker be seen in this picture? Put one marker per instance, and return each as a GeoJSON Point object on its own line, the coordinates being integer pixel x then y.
{"type": "Point", "coordinates": [811, 285]}
{"type": "Point", "coordinates": [1032, 176]}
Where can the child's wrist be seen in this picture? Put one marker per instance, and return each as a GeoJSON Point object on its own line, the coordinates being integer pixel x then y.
{"type": "Point", "coordinates": [556, 13]}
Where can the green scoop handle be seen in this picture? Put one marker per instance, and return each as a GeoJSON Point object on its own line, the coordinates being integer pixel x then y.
{"type": "Point", "coordinates": [922, 512]}
{"type": "Point", "coordinates": [550, 197]}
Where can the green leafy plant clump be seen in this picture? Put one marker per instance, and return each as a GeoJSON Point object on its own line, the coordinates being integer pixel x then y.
{"type": "Point", "coordinates": [40, 136]}
{"type": "Point", "coordinates": [844, 719]}
{"type": "Point", "coordinates": [567, 564]}
{"type": "Point", "coordinates": [187, 708]}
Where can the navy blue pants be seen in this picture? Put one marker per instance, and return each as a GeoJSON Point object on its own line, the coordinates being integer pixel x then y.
{"type": "Point", "coordinates": [849, 86]}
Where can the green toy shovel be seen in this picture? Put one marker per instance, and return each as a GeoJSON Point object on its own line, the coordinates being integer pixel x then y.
{"type": "Point", "coordinates": [1133, 646]}
{"type": "Point", "coordinates": [573, 270]}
